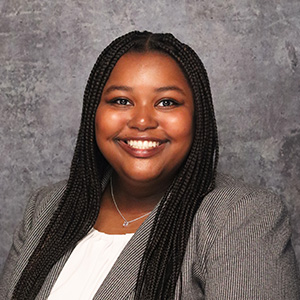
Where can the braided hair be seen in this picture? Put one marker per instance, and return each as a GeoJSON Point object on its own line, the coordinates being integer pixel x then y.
{"type": "Point", "coordinates": [79, 207]}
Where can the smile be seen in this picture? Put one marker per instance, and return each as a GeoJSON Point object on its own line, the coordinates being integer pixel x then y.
{"type": "Point", "coordinates": [143, 145]}
{"type": "Point", "coordinates": [141, 148]}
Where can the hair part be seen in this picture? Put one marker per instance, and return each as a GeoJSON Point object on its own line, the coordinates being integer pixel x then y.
{"type": "Point", "coordinates": [79, 207]}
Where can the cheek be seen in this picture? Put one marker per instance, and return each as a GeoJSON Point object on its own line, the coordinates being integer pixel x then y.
{"type": "Point", "coordinates": [180, 126]}
{"type": "Point", "coordinates": [107, 122]}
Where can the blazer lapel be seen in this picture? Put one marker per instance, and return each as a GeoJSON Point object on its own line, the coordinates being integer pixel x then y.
{"type": "Point", "coordinates": [121, 280]}
{"type": "Point", "coordinates": [52, 277]}
{"type": "Point", "coordinates": [44, 214]}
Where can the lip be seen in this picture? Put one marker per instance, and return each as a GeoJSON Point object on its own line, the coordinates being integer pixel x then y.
{"type": "Point", "coordinates": [142, 153]}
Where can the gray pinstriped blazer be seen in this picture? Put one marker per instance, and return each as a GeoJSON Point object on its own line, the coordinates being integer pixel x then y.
{"type": "Point", "coordinates": [239, 248]}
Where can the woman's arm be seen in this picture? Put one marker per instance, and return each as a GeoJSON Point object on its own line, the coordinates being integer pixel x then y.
{"type": "Point", "coordinates": [39, 209]}
{"type": "Point", "coordinates": [19, 238]}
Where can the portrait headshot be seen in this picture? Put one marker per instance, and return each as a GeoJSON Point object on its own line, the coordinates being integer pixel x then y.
{"type": "Point", "coordinates": [150, 150]}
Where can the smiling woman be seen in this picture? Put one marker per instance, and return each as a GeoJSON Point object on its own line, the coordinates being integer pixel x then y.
{"type": "Point", "coordinates": [144, 214]}
{"type": "Point", "coordinates": [146, 101]}
{"type": "Point", "coordinates": [144, 129]}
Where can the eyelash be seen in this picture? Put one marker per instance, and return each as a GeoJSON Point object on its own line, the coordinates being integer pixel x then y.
{"type": "Point", "coordinates": [169, 102]}
{"type": "Point", "coordinates": [118, 101]}
{"type": "Point", "coordinates": [173, 102]}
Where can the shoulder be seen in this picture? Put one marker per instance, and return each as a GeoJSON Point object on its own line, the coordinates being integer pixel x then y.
{"type": "Point", "coordinates": [242, 238]}
{"type": "Point", "coordinates": [39, 210]}
{"type": "Point", "coordinates": [231, 190]}
{"type": "Point", "coordinates": [234, 205]}
{"type": "Point", "coordinates": [234, 195]}
{"type": "Point", "coordinates": [43, 202]}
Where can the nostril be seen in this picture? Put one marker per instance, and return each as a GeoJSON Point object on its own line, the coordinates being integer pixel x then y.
{"type": "Point", "coordinates": [142, 123]}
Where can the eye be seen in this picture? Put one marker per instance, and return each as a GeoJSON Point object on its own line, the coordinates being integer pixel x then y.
{"type": "Point", "coordinates": [120, 101]}
{"type": "Point", "coordinates": [167, 103]}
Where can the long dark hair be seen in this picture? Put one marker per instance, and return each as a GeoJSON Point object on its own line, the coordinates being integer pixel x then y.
{"type": "Point", "coordinates": [79, 206]}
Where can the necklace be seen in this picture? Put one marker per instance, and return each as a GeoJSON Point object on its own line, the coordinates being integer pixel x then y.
{"type": "Point", "coordinates": [126, 223]}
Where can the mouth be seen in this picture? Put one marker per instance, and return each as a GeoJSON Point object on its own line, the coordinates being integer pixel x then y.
{"type": "Point", "coordinates": [142, 145]}
{"type": "Point", "coordinates": [142, 148]}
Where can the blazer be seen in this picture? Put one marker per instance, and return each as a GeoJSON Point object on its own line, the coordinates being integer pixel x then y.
{"type": "Point", "coordinates": [239, 248]}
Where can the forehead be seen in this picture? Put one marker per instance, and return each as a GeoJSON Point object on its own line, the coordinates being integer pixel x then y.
{"type": "Point", "coordinates": [149, 65]}
{"type": "Point", "coordinates": [145, 57]}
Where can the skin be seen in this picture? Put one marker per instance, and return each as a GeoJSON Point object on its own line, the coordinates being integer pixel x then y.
{"type": "Point", "coordinates": [146, 98]}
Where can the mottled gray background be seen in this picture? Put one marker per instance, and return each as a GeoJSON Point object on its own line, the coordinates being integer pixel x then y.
{"type": "Point", "coordinates": [47, 49]}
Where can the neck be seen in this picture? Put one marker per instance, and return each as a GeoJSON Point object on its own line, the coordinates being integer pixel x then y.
{"type": "Point", "coordinates": [137, 196]}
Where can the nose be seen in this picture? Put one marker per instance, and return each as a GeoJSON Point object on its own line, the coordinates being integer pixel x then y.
{"type": "Point", "coordinates": [143, 118]}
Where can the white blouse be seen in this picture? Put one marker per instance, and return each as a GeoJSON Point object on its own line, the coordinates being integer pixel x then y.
{"type": "Point", "coordinates": [88, 265]}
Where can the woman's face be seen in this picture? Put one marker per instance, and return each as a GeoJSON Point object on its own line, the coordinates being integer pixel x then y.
{"type": "Point", "coordinates": [144, 122]}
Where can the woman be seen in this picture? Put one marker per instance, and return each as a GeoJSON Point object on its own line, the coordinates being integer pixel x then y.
{"type": "Point", "coordinates": [144, 178]}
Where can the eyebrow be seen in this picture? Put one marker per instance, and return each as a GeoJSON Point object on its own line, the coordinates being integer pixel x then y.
{"type": "Point", "coordinates": [158, 90]}
{"type": "Point", "coordinates": [118, 88]}
{"type": "Point", "coordinates": [170, 88]}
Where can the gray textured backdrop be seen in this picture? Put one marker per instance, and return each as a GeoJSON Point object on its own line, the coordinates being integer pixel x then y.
{"type": "Point", "coordinates": [250, 49]}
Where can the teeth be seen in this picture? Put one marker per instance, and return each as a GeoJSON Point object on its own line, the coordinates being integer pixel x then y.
{"type": "Point", "coordinates": [142, 144]}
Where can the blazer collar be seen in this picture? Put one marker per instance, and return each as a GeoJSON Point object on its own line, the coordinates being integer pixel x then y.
{"type": "Point", "coordinates": [121, 280]}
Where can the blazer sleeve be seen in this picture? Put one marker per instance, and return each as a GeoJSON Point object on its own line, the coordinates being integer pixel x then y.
{"type": "Point", "coordinates": [19, 238]}
{"type": "Point", "coordinates": [38, 209]}
{"type": "Point", "coordinates": [252, 257]}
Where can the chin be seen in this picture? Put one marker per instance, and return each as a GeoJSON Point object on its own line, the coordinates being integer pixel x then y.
{"type": "Point", "coordinates": [144, 176]}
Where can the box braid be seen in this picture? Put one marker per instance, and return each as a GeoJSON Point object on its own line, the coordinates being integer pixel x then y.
{"type": "Point", "coordinates": [79, 206]}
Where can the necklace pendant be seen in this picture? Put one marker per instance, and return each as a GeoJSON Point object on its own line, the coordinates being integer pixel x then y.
{"type": "Point", "coordinates": [125, 224]}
